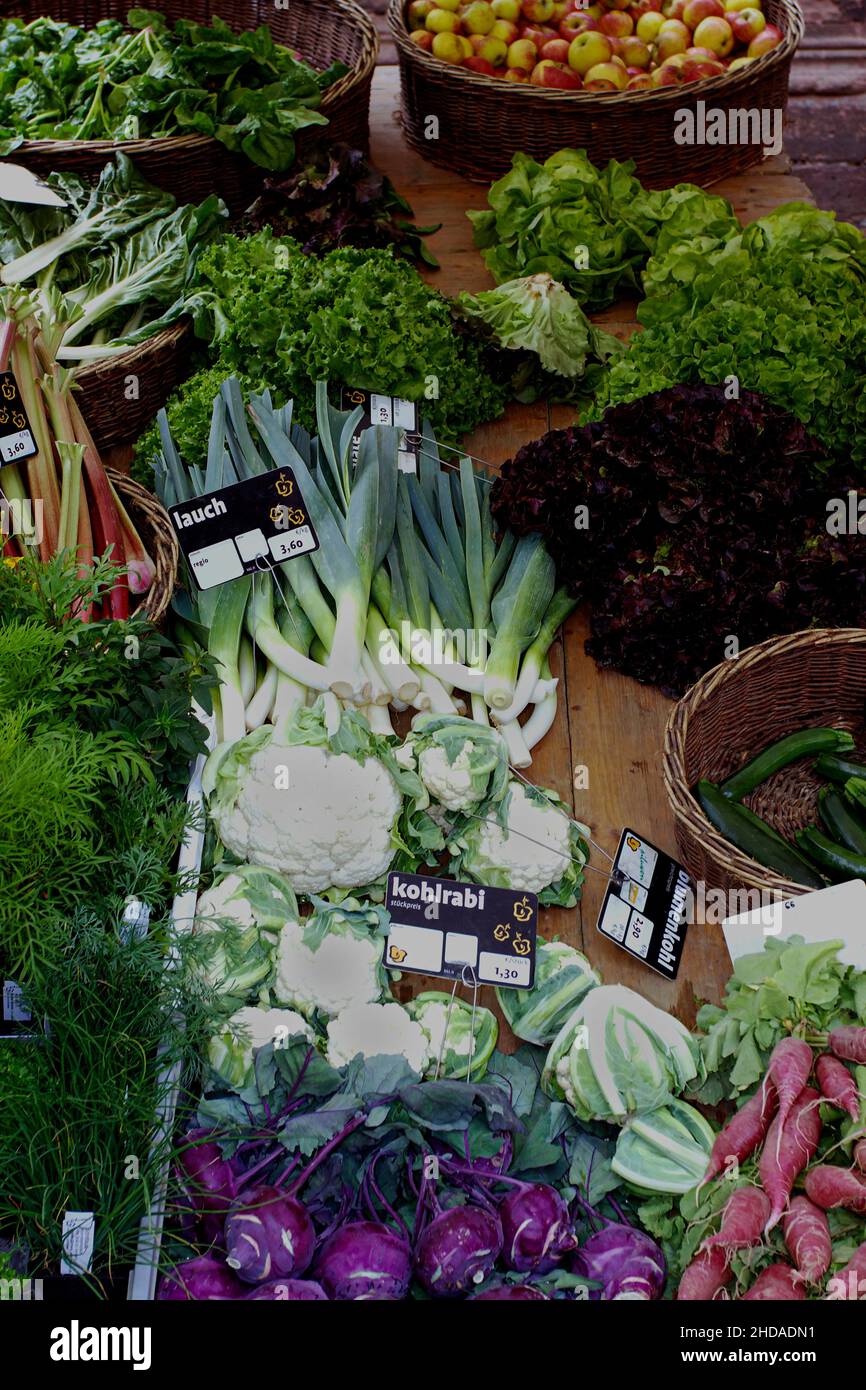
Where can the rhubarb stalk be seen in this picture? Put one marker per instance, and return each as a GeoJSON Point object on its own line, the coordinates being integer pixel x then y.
{"type": "Point", "coordinates": [41, 468]}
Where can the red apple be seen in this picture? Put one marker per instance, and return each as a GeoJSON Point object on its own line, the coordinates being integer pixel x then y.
{"type": "Point", "coordinates": [667, 76]}
{"type": "Point", "coordinates": [506, 31]}
{"type": "Point", "coordinates": [674, 9]}
{"type": "Point", "coordinates": [522, 54]}
{"type": "Point", "coordinates": [577, 22]}
{"type": "Point", "coordinates": [648, 26]}
{"type": "Point", "coordinates": [550, 74]}
{"type": "Point", "coordinates": [641, 7]}
{"type": "Point", "coordinates": [747, 25]}
{"type": "Point", "coordinates": [736, 63]}
{"type": "Point", "coordinates": [539, 34]}
{"type": "Point", "coordinates": [538, 11]}
{"type": "Point", "coordinates": [695, 69]}
{"type": "Point", "coordinates": [673, 37]}
{"type": "Point", "coordinates": [441, 21]}
{"type": "Point", "coordinates": [560, 10]}
{"type": "Point", "coordinates": [699, 53]}
{"type": "Point", "coordinates": [639, 82]}
{"type": "Point", "coordinates": [423, 38]}
{"type": "Point", "coordinates": [516, 75]}
{"type": "Point", "coordinates": [696, 10]}
{"type": "Point", "coordinates": [506, 9]}
{"type": "Point", "coordinates": [606, 77]}
{"type": "Point", "coordinates": [635, 53]}
{"type": "Point", "coordinates": [617, 24]}
{"type": "Point", "coordinates": [716, 34]}
{"type": "Point", "coordinates": [554, 51]}
{"type": "Point", "coordinates": [588, 50]}
{"type": "Point", "coordinates": [476, 64]}
{"type": "Point", "coordinates": [596, 11]}
{"type": "Point", "coordinates": [769, 38]}
{"type": "Point", "coordinates": [418, 11]}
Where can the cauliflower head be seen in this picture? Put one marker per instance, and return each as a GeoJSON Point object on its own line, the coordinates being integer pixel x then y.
{"type": "Point", "coordinates": [231, 1051]}
{"type": "Point", "coordinates": [237, 917]}
{"type": "Point", "coordinates": [377, 1030]}
{"type": "Point", "coordinates": [532, 845]}
{"type": "Point", "coordinates": [454, 1030]}
{"type": "Point", "coordinates": [324, 806]}
{"type": "Point", "coordinates": [462, 764]}
{"type": "Point", "coordinates": [333, 959]}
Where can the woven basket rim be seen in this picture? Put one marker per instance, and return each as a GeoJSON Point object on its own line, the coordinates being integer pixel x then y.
{"type": "Point", "coordinates": [155, 602]}
{"type": "Point", "coordinates": [166, 338]}
{"type": "Point", "coordinates": [686, 810]}
{"type": "Point", "coordinates": [205, 144]}
{"type": "Point", "coordinates": [519, 91]}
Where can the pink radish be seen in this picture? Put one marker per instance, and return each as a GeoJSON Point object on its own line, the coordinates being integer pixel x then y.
{"type": "Point", "coordinates": [779, 1283]}
{"type": "Point", "coordinates": [788, 1068]}
{"type": "Point", "coordinates": [807, 1237]}
{"type": "Point", "coordinates": [850, 1282]}
{"type": "Point", "coordinates": [849, 1043]}
{"type": "Point", "coordinates": [829, 1187]}
{"type": "Point", "coordinates": [706, 1276]}
{"type": "Point", "coordinates": [743, 1218]}
{"type": "Point", "coordinates": [838, 1085]}
{"type": "Point", "coordinates": [744, 1131]}
{"type": "Point", "coordinates": [860, 1155]}
{"type": "Point", "coordinates": [788, 1149]}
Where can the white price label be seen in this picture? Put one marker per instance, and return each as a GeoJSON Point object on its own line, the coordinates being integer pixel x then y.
{"type": "Point", "coordinates": [291, 543]}
{"type": "Point", "coordinates": [495, 969]}
{"type": "Point", "coordinates": [15, 1009]}
{"type": "Point", "coordinates": [17, 446]}
{"type": "Point", "coordinates": [79, 1234]}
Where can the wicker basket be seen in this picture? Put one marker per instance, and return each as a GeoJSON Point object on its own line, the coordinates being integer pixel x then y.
{"type": "Point", "coordinates": [192, 166]}
{"type": "Point", "coordinates": [155, 528]}
{"type": "Point", "coordinates": [810, 679]}
{"type": "Point", "coordinates": [484, 121]}
{"type": "Point", "coordinates": [147, 373]}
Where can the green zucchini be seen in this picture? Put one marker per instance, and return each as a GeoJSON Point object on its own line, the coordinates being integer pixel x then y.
{"type": "Point", "coordinates": [750, 834]}
{"type": "Point", "coordinates": [836, 860]}
{"type": "Point", "coordinates": [855, 791]}
{"type": "Point", "coordinates": [778, 755]}
{"type": "Point", "coordinates": [842, 825]}
{"type": "Point", "coordinates": [837, 769]}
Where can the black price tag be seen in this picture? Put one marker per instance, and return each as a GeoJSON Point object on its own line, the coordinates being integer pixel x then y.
{"type": "Point", "coordinates": [245, 527]}
{"type": "Point", "coordinates": [441, 927]}
{"type": "Point", "coordinates": [386, 410]}
{"type": "Point", "coordinates": [644, 908]}
{"type": "Point", "coordinates": [16, 436]}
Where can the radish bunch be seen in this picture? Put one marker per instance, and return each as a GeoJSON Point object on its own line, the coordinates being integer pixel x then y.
{"type": "Point", "coordinates": [780, 1125]}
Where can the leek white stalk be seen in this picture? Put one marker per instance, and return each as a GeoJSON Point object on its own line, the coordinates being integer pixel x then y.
{"type": "Point", "coordinates": [518, 751]}
{"type": "Point", "coordinates": [540, 721]}
{"type": "Point", "coordinates": [224, 642]}
{"type": "Point", "coordinates": [259, 707]}
{"type": "Point", "coordinates": [260, 624]}
{"type": "Point", "coordinates": [247, 670]}
{"type": "Point", "coordinates": [384, 646]}
{"type": "Point", "coordinates": [519, 609]}
{"type": "Point", "coordinates": [530, 688]}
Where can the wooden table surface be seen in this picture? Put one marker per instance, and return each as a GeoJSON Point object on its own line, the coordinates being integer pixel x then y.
{"type": "Point", "coordinates": [606, 722]}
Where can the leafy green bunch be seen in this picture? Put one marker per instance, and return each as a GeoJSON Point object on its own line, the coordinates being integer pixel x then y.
{"type": "Point", "coordinates": [283, 320]}
{"type": "Point", "coordinates": [780, 306]}
{"type": "Point", "coordinates": [151, 78]}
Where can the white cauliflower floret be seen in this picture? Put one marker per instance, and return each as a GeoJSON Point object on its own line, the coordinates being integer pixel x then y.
{"type": "Point", "coordinates": [343, 970]}
{"type": "Point", "coordinates": [433, 1020]}
{"type": "Point", "coordinates": [449, 783]}
{"type": "Point", "coordinates": [329, 827]}
{"type": "Point", "coordinates": [377, 1030]}
{"type": "Point", "coordinates": [225, 899]}
{"type": "Point", "coordinates": [534, 855]}
{"type": "Point", "coordinates": [563, 1076]}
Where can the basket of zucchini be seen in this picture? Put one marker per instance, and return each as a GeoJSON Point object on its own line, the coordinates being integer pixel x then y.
{"type": "Point", "coordinates": [765, 766]}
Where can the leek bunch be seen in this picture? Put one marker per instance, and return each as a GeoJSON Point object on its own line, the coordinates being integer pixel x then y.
{"type": "Point", "coordinates": [409, 598]}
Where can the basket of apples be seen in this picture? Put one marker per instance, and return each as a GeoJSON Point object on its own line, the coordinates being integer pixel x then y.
{"type": "Point", "coordinates": [689, 89]}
